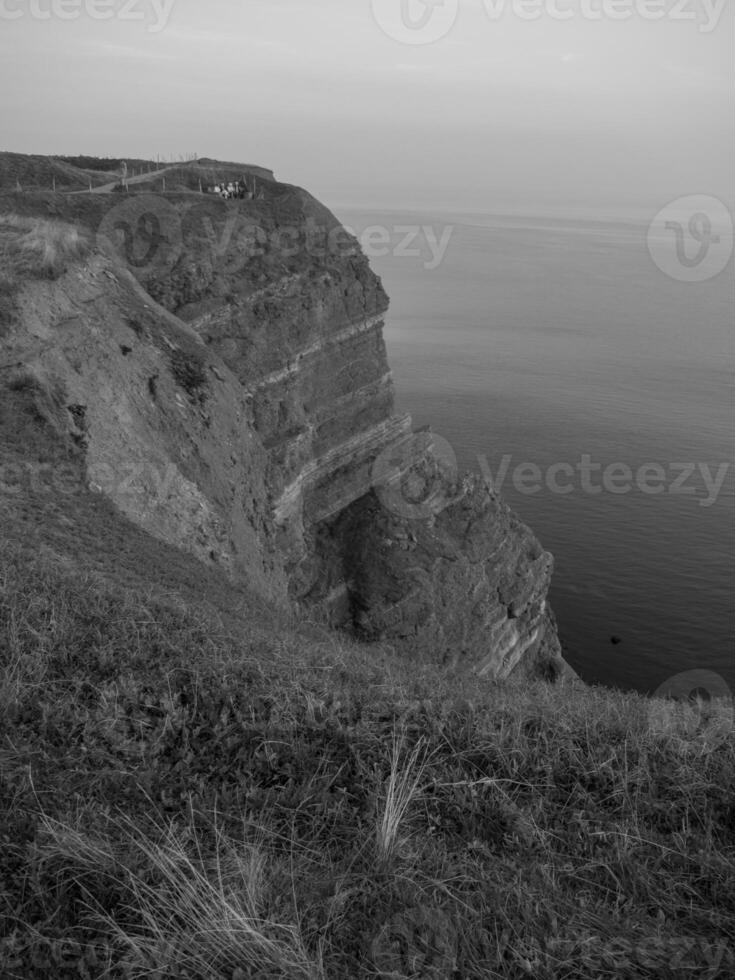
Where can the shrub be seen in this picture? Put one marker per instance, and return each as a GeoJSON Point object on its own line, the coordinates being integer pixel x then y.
{"type": "Point", "coordinates": [189, 371]}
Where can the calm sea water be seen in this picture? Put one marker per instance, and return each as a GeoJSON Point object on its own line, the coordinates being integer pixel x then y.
{"type": "Point", "coordinates": [545, 340]}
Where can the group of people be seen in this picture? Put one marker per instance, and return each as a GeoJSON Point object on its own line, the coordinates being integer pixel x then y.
{"type": "Point", "coordinates": [234, 190]}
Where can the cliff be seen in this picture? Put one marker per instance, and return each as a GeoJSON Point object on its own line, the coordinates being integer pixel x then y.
{"type": "Point", "coordinates": [195, 781]}
{"type": "Point", "coordinates": [222, 368]}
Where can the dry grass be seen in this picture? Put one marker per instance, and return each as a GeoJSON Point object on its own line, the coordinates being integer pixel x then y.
{"type": "Point", "coordinates": [187, 795]}
{"type": "Point", "coordinates": [38, 248]}
{"type": "Point", "coordinates": [201, 908]}
{"type": "Point", "coordinates": [179, 804]}
{"type": "Point", "coordinates": [401, 789]}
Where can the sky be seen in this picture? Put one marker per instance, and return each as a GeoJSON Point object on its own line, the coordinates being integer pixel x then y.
{"type": "Point", "coordinates": [466, 104]}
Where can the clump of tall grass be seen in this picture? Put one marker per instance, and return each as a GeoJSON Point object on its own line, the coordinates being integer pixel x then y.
{"type": "Point", "coordinates": [38, 248]}
{"type": "Point", "coordinates": [401, 789]}
{"type": "Point", "coordinates": [196, 907]}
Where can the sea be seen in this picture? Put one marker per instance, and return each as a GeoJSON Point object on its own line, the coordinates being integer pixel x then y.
{"type": "Point", "coordinates": [587, 367]}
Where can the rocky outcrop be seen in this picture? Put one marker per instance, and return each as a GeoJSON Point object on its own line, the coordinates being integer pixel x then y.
{"type": "Point", "coordinates": [165, 428]}
{"type": "Point", "coordinates": [440, 565]}
{"type": "Point", "coordinates": [468, 587]}
{"type": "Point", "coordinates": [246, 360]}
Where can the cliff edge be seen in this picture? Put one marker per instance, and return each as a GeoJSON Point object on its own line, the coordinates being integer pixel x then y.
{"type": "Point", "coordinates": [219, 366]}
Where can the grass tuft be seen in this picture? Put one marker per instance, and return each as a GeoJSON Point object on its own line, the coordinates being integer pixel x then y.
{"type": "Point", "coordinates": [401, 789]}
{"type": "Point", "coordinates": [37, 248]}
{"type": "Point", "coordinates": [207, 916]}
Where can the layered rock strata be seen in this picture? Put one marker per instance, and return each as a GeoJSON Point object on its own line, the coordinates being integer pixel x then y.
{"type": "Point", "coordinates": [247, 356]}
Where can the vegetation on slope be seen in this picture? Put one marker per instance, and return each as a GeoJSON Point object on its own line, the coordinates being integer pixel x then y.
{"type": "Point", "coordinates": [36, 248]}
{"type": "Point", "coordinates": [76, 173]}
{"type": "Point", "coordinates": [106, 164]}
{"type": "Point", "coordinates": [193, 786]}
{"type": "Point", "coordinates": [33, 171]}
{"type": "Point", "coordinates": [180, 801]}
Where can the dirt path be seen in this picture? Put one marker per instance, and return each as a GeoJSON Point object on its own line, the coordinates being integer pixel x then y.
{"type": "Point", "coordinates": [139, 179]}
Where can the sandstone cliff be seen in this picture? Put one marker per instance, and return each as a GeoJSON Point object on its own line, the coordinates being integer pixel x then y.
{"type": "Point", "coordinates": [223, 366]}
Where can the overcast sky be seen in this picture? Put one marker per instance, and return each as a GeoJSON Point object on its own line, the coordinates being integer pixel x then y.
{"type": "Point", "coordinates": [495, 111]}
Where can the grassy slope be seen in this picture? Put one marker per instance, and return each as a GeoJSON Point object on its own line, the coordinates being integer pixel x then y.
{"type": "Point", "coordinates": [35, 172]}
{"type": "Point", "coordinates": [40, 172]}
{"type": "Point", "coordinates": [34, 248]}
{"type": "Point", "coordinates": [201, 796]}
{"type": "Point", "coordinates": [193, 786]}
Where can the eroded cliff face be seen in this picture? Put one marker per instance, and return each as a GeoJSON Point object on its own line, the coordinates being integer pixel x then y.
{"type": "Point", "coordinates": [165, 428]}
{"type": "Point", "coordinates": [247, 359]}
